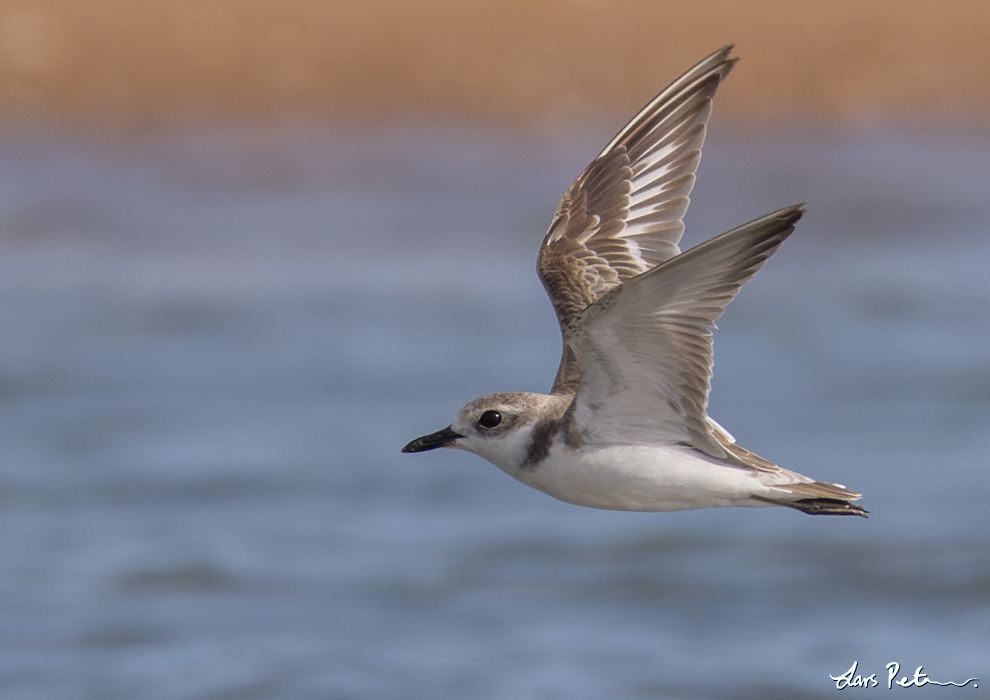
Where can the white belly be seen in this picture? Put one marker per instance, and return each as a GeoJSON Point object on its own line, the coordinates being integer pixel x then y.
{"type": "Point", "coordinates": [640, 477]}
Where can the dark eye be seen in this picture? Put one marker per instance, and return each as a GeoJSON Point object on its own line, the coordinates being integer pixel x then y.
{"type": "Point", "coordinates": [490, 419]}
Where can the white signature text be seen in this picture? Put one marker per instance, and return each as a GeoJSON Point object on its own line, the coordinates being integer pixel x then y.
{"type": "Point", "coordinates": [853, 679]}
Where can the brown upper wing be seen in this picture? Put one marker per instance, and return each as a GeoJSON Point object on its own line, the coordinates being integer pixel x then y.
{"type": "Point", "coordinates": [623, 215]}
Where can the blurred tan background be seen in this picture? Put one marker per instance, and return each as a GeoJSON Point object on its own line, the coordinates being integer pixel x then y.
{"type": "Point", "coordinates": [138, 63]}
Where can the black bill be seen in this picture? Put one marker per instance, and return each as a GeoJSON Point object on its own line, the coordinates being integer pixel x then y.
{"type": "Point", "coordinates": [432, 442]}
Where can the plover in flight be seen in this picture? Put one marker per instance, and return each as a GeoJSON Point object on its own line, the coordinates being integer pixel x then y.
{"type": "Point", "coordinates": [625, 425]}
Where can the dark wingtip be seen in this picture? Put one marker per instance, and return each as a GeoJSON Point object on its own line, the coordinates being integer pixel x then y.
{"type": "Point", "coordinates": [730, 61]}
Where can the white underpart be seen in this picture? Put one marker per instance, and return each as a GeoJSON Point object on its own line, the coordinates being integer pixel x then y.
{"type": "Point", "coordinates": [644, 478]}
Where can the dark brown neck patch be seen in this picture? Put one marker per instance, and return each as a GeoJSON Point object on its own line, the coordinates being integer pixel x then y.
{"type": "Point", "coordinates": [543, 435]}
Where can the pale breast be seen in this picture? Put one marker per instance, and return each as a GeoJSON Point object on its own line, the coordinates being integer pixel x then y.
{"type": "Point", "coordinates": [641, 478]}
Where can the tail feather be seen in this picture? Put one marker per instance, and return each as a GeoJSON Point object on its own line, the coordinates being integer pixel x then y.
{"type": "Point", "coordinates": [797, 491]}
{"type": "Point", "coordinates": [820, 506]}
{"type": "Point", "coordinates": [826, 506]}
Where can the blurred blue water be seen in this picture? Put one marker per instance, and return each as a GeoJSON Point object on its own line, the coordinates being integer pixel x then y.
{"type": "Point", "coordinates": [213, 345]}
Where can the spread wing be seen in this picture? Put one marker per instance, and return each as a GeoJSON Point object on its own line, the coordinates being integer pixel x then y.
{"type": "Point", "coordinates": [622, 216]}
{"type": "Point", "coordinates": [646, 346]}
